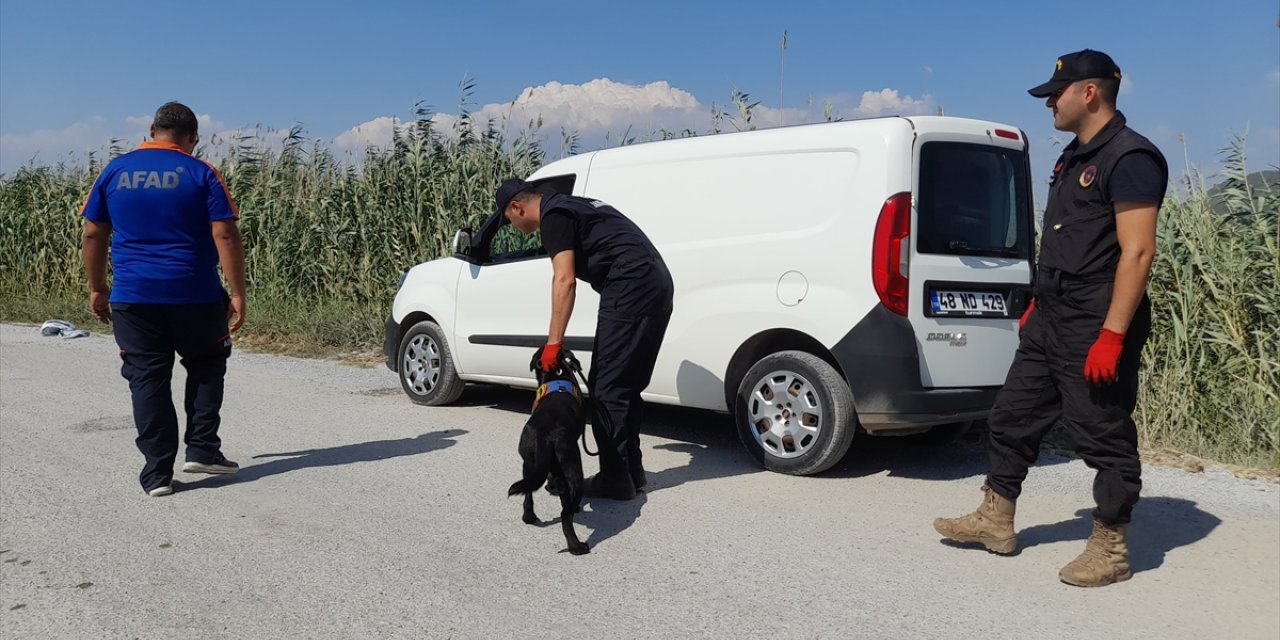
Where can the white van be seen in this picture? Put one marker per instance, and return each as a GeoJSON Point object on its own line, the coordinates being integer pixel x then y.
{"type": "Point", "coordinates": [828, 277]}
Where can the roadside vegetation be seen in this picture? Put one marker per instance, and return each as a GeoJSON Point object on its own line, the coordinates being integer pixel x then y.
{"type": "Point", "coordinates": [327, 239]}
{"type": "Point", "coordinates": [1211, 384]}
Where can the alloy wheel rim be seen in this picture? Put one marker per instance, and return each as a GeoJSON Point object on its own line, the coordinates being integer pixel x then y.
{"type": "Point", "coordinates": [422, 365]}
{"type": "Point", "coordinates": [786, 414]}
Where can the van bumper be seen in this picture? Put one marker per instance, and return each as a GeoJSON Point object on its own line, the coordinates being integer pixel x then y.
{"type": "Point", "coordinates": [391, 343]}
{"type": "Point", "coordinates": [892, 421]}
{"type": "Point", "coordinates": [880, 360]}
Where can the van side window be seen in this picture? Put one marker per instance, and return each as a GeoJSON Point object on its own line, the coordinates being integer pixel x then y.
{"type": "Point", "coordinates": [973, 200]}
{"type": "Point", "coordinates": [509, 244]}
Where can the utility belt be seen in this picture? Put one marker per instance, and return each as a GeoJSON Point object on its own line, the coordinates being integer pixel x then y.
{"type": "Point", "coordinates": [1053, 281]}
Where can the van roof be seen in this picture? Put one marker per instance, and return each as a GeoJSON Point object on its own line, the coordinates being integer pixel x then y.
{"type": "Point", "coordinates": [802, 135]}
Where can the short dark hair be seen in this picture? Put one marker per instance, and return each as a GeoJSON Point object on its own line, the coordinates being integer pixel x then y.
{"type": "Point", "coordinates": [525, 195]}
{"type": "Point", "coordinates": [176, 117]}
{"type": "Point", "coordinates": [1109, 88]}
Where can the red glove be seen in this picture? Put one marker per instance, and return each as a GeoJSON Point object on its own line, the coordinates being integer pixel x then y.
{"type": "Point", "coordinates": [1104, 355]}
{"type": "Point", "coordinates": [1022, 322]}
{"type": "Point", "coordinates": [551, 357]}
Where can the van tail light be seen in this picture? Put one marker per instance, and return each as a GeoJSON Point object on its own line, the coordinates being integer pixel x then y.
{"type": "Point", "coordinates": [889, 252]}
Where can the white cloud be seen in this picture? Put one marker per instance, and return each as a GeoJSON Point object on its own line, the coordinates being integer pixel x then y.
{"type": "Point", "coordinates": [603, 106]}
{"type": "Point", "coordinates": [48, 146]}
{"type": "Point", "coordinates": [600, 105]}
{"type": "Point", "coordinates": [887, 102]}
{"type": "Point", "coordinates": [592, 109]}
{"type": "Point", "coordinates": [928, 70]}
{"type": "Point", "coordinates": [599, 111]}
{"type": "Point", "coordinates": [374, 133]}
{"type": "Point", "coordinates": [1274, 77]}
{"type": "Point", "coordinates": [763, 116]}
{"type": "Point", "coordinates": [206, 122]}
{"type": "Point", "coordinates": [77, 140]}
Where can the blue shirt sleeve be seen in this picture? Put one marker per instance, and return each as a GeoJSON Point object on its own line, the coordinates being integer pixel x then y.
{"type": "Point", "coordinates": [221, 206]}
{"type": "Point", "coordinates": [95, 205]}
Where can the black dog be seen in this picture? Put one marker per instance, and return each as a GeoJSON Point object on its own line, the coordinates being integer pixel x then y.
{"type": "Point", "coordinates": [549, 446]}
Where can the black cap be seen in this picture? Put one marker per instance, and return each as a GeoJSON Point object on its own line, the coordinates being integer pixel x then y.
{"type": "Point", "coordinates": [1072, 67]}
{"type": "Point", "coordinates": [508, 190]}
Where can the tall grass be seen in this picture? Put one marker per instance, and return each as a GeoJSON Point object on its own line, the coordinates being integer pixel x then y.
{"type": "Point", "coordinates": [326, 241]}
{"type": "Point", "coordinates": [1212, 368]}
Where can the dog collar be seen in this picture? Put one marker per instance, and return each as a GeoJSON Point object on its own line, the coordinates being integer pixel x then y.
{"type": "Point", "coordinates": [556, 386]}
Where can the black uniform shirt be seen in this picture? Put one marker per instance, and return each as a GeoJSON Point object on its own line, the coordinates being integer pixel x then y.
{"type": "Point", "coordinates": [1137, 177]}
{"type": "Point", "coordinates": [559, 233]}
{"type": "Point", "coordinates": [602, 239]}
{"type": "Point", "coordinates": [1117, 165]}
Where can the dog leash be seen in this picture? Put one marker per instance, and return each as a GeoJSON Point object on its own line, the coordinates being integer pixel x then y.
{"type": "Point", "coordinates": [576, 368]}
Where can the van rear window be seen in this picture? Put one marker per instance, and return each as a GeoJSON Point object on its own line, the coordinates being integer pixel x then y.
{"type": "Point", "coordinates": [973, 201]}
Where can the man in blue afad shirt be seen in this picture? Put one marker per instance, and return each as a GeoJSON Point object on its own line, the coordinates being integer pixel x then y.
{"type": "Point", "coordinates": [169, 220]}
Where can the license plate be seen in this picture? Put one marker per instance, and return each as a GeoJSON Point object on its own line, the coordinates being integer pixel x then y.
{"type": "Point", "coordinates": [968, 303]}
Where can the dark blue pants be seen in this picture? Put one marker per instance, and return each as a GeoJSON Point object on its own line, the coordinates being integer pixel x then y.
{"type": "Point", "coordinates": [621, 366]}
{"type": "Point", "coordinates": [149, 335]}
{"type": "Point", "coordinates": [635, 307]}
{"type": "Point", "coordinates": [1046, 385]}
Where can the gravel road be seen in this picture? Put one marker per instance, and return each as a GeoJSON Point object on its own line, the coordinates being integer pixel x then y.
{"type": "Point", "coordinates": [359, 515]}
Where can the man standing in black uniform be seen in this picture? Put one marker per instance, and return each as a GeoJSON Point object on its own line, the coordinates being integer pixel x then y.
{"type": "Point", "coordinates": [591, 240]}
{"type": "Point", "coordinates": [1082, 336]}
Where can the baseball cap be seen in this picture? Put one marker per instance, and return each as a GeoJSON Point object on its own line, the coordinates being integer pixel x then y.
{"type": "Point", "coordinates": [508, 190]}
{"type": "Point", "coordinates": [1072, 67]}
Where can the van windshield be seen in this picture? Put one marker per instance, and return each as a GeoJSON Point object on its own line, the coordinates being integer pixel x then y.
{"type": "Point", "coordinates": [973, 201]}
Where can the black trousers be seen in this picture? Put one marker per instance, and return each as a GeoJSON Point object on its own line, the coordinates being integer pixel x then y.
{"type": "Point", "coordinates": [1046, 385]}
{"type": "Point", "coordinates": [148, 336]}
{"type": "Point", "coordinates": [634, 311]}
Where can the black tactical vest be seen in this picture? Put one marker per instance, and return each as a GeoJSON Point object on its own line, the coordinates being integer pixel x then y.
{"type": "Point", "coordinates": [606, 242]}
{"type": "Point", "coordinates": [1079, 236]}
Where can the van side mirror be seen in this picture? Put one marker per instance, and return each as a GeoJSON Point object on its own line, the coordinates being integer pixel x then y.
{"type": "Point", "coordinates": [462, 242]}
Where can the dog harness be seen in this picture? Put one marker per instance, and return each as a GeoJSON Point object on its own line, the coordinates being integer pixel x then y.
{"type": "Point", "coordinates": [556, 386]}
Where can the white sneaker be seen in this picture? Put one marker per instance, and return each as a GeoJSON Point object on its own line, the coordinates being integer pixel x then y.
{"type": "Point", "coordinates": [161, 491]}
{"type": "Point", "coordinates": [222, 465]}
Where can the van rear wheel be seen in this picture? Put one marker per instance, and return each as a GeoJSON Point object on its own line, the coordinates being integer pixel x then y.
{"type": "Point", "coordinates": [794, 413]}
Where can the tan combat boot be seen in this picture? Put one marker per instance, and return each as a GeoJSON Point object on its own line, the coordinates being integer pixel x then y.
{"type": "Point", "coordinates": [1105, 559]}
{"type": "Point", "coordinates": [991, 525]}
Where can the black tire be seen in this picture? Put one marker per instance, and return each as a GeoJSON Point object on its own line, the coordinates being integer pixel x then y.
{"type": "Point", "coordinates": [425, 364]}
{"type": "Point", "coordinates": [820, 404]}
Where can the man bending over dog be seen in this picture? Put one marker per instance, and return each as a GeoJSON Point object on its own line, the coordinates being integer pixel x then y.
{"type": "Point", "coordinates": [590, 240]}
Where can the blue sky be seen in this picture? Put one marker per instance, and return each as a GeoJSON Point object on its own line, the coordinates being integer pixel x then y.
{"type": "Point", "coordinates": [75, 73]}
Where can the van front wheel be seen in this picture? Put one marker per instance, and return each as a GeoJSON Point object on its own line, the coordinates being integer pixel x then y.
{"type": "Point", "coordinates": [795, 413]}
{"type": "Point", "coordinates": [427, 372]}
